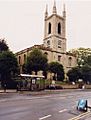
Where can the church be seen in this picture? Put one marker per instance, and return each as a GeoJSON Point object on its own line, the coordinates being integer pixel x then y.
{"type": "Point", "coordinates": [54, 42]}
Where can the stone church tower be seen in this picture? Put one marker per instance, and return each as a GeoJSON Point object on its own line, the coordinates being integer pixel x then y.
{"type": "Point", "coordinates": [55, 30]}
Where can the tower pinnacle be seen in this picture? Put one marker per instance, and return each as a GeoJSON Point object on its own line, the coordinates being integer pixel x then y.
{"type": "Point", "coordinates": [54, 8]}
{"type": "Point", "coordinates": [64, 11]}
{"type": "Point", "coordinates": [46, 12]}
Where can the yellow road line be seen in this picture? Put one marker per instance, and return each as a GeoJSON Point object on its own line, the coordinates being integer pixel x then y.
{"type": "Point", "coordinates": [83, 116]}
{"type": "Point", "coordinates": [80, 116]}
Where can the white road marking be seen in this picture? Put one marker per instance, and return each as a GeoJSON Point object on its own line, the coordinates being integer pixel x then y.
{"type": "Point", "coordinates": [51, 115]}
{"type": "Point", "coordinates": [45, 117]}
{"type": "Point", "coordinates": [63, 110]}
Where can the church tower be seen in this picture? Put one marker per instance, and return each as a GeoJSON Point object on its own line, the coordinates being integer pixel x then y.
{"type": "Point", "coordinates": [55, 30]}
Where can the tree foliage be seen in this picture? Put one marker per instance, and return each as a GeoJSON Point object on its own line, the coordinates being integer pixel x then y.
{"type": "Point", "coordinates": [84, 65]}
{"type": "Point", "coordinates": [3, 45]}
{"type": "Point", "coordinates": [86, 73]}
{"type": "Point", "coordinates": [8, 66]}
{"type": "Point", "coordinates": [77, 73]}
{"type": "Point", "coordinates": [57, 69]}
{"type": "Point", "coordinates": [82, 55]}
{"type": "Point", "coordinates": [88, 60]}
{"type": "Point", "coordinates": [36, 61]}
{"type": "Point", "coordinates": [74, 74]}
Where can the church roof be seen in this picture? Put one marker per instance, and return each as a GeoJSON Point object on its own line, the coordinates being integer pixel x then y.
{"type": "Point", "coordinates": [42, 47]}
{"type": "Point", "coordinates": [35, 46]}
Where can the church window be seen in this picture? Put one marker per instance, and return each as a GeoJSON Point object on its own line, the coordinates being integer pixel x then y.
{"type": "Point", "coordinates": [59, 43]}
{"type": "Point", "coordinates": [49, 28]}
{"type": "Point", "coordinates": [59, 58]}
{"type": "Point", "coordinates": [46, 54]}
{"type": "Point", "coordinates": [70, 61]}
{"type": "Point", "coordinates": [19, 59]}
{"type": "Point", "coordinates": [48, 42]}
{"type": "Point", "coordinates": [59, 28]}
{"type": "Point", "coordinates": [24, 58]}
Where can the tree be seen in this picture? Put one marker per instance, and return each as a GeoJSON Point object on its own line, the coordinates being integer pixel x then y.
{"type": "Point", "coordinates": [3, 45]}
{"type": "Point", "coordinates": [82, 55]}
{"type": "Point", "coordinates": [84, 65]}
{"type": "Point", "coordinates": [86, 73]}
{"type": "Point", "coordinates": [83, 72]}
{"type": "Point", "coordinates": [88, 60]}
{"type": "Point", "coordinates": [57, 69]}
{"type": "Point", "coordinates": [8, 66]}
{"type": "Point", "coordinates": [36, 61]}
{"type": "Point", "coordinates": [74, 74]}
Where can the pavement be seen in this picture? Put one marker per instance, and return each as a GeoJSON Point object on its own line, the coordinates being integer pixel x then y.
{"type": "Point", "coordinates": [7, 91]}
{"type": "Point", "coordinates": [42, 92]}
{"type": "Point", "coordinates": [35, 93]}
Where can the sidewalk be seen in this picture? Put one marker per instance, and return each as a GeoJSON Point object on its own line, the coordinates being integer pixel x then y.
{"type": "Point", "coordinates": [8, 91]}
{"type": "Point", "coordinates": [35, 93]}
{"type": "Point", "coordinates": [43, 92]}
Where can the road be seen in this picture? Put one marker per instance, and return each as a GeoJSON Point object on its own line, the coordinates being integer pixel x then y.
{"type": "Point", "coordinates": [60, 106]}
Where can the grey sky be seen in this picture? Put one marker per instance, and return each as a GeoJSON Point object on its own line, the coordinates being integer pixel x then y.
{"type": "Point", "coordinates": [22, 22]}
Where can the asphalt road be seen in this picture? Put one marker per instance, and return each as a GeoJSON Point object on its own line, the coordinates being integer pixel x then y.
{"type": "Point", "coordinates": [60, 106]}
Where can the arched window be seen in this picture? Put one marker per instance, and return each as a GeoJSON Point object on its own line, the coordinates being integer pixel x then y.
{"type": "Point", "coordinates": [59, 58]}
{"type": "Point", "coordinates": [49, 28]}
{"type": "Point", "coordinates": [70, 61]}
{"type": "Point", "coordinates": [59, 43]}
{"type": "Point", "coordinates": [46, 53]}
{"type": "Point", "coordinates": [19, 59]}
{"type": "Point", "coordinates": [24, 58]}
{"type": "Point", "coordinates": [48, 42]}
{"type": "Point", "coordinates": [59, 28]}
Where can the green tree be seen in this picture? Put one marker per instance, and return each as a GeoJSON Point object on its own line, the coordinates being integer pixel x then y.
{"type": "Point", "coordinates": [36, 61]}
{"type": "Point", "coordinates": [88, 60]}
{"type": "Point", "coordinates": [82, 55]}
{"type": "Point", "coordinates": [83, 72]}
{"type": "Point", "coordinates": [84, 65]}
{"type": "Point", "coordinates": [74, 74]}
{"type": "Point", "coordinates": [57, 69]}
{"type": "Point", "coordinates": [8, 67]}
{"type": "Point", "coordinates": [86, 73]}
{"type": "Point", "coordinates": [3, 45]}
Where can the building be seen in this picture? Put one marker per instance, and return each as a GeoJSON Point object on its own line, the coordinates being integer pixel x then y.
{"type": "Point", "coordinates": [54, 42]}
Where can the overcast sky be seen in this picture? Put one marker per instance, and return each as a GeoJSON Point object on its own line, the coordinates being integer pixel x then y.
{"type": "Point", "coordinates": [22, 22]}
